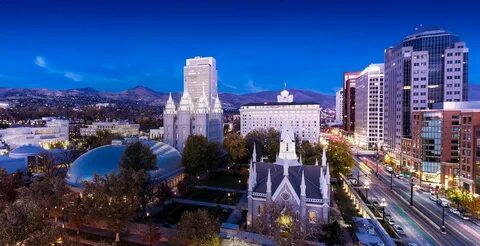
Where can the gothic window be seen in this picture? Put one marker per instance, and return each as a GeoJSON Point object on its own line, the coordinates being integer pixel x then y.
{"type": "Point", "coordinates": [312, 217]}
{"type": "Point", "coordinates": [287, 147]}
{"type": "Point", "coordinates": [260, 210]}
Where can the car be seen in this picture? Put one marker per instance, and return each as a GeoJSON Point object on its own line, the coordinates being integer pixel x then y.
{"type": "Point", "coordinates": [391, 222]}
{"type": "Point", "coordinates": [412, 244]}
{"type": "Point", "coordinates": [443, 202]}
{"type": "Point", "coordinates": [454, 210]}
{"type": "Point", "coordinates": [399, 229]}
{"type": "Point", "coordinates": [389, 169]}
{"type": "Point", "coordinates": [375, 203]}
{"type": "Point", "coordinates": [464, 216]}
{"type": "Point", "coordinates": [433, 198]}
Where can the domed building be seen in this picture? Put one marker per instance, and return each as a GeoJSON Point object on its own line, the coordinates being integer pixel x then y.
{"type": "Point", "coordinates": [106, 159]}
{"type": "Point", "coordinates": [20, 158]}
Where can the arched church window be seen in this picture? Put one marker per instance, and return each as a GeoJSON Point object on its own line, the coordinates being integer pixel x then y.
{"type": "Point", "coordinates": [312, 217]}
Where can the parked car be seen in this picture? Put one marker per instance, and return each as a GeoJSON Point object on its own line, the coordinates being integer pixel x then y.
{"type": "Point", "coordinates": [464, 216]}
{"type": "Point", "coordinates": [443, 202]}
{"type": "Point", "coordinates": [412, 244]}
{"type": "Point", "coordinates": [375, 203]}
{"type": "Point", "coordinates": [454, 210]}
{"type": "Point", "coordinates": [391, 222]}
{"type": "Point", "coordinates": [399, 229]}
{"type": "Point", "coordinates": [389, 169]}
{"type": "Point", "coordinates": [433, 198]}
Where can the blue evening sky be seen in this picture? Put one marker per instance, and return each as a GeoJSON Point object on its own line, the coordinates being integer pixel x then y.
{"type": "Point", "coordinates": [112, 45]}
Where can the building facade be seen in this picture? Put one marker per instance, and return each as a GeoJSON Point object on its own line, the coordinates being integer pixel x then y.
{"type": "Point", "coordinates": [287, 182]}
{"type": "Point", "coordinates": [349, 101]}
{"type": "Point", "coordinates": [443, 148]}
{"type": "Point", "coordinates": [369, 107]}
{"type": "Point", "coordinates": [339, 107]}
{"type": "Point", "coordinates": [43, 131]}
{"type": "Point", "coordinates": [121, 128]}
{"type": "Point", "coordinates": [200, 110]}
{"type": "Point", "coordinates": [303, 117]}
{"type": "Point", "coordinates": [427, 67]}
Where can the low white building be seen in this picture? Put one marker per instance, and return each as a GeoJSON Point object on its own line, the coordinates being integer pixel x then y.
{"type": "Point", "coordinates": [157, 134]}
{"type": "Point", "coordinates": [304, 118]}
{"type": "Point", "coordinates": [4, 105]}
{"type": "Point", "coordinates": [121, 128]}
{"type": "Point", "coordinates": [46, 130]}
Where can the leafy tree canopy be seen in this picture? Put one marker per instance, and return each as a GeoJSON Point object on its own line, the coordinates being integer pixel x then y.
{"type": "Point", "coordinates": [138, 156]}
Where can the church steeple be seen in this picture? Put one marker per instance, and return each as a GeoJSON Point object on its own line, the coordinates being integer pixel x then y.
{"type": "Point", "coordinates": [324, 157]}
{"type": "Point", "coordinates": [287, 143]}
{"type": "Point", "coordinates": [254, 154]}
{"type": "Point", "coordinates": [170, 105]}
{"type": "Point", "coordinates": [303, 187]}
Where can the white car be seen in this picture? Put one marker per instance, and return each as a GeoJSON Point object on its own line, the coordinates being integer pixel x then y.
{"type": "Point", "coordinates": [433, 198]}
{"type": "Point", "coordinates": [399, 229]}
{"type": "Point", "coordinates": [412, 244]}
{"type": "Point", "coordinates": [463, 216]}
{"type": "Point", "coordinates": [391, 222]}
{"type": "Point", "coordinates": [454, 210]}
{"type": "Point", "coordinates": [389, 169]}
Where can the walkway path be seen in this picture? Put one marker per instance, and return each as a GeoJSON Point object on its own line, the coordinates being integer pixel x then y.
{"type": "Point", "coordinates": [218, 188]}
{"type": "Point", "coordinates": [236, 215]}
{"type": "Point", "coordinates": [206, 204]}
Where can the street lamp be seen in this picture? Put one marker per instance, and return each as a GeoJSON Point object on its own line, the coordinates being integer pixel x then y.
{"type": "Point", "coordinates": [391, 180]}
{"type": "Point", "coordinates": [367, 186]}
{"type": "Point", "coordinates": [443, 219]}
{"type": "Point", "coordinates": [411, 191]}
{"type": "Point", "coordinates": [383, 205]}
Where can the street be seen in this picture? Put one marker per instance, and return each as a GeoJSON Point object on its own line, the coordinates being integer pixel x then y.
{"type": "Point", "coordinates": [422, 222]}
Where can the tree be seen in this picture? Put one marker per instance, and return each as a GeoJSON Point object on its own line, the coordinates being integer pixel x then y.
{"type": "Point", "coordinates": [332, 234]}
{"type": "Point", "coordinates": [236, 147]}
{"type": "Point", "coordinates": [340, 158]}
{"type": "Point", "coordinates": [194, 156]}
{"type": "Point", "coordinates": [138, 157]}
{"type": "Point", "coordinates": [283, 226]}
{"type": "Point", "coordinates": [197, 228]}
{"type": "Point", "coordinates": [112, 199]}
{"type": "Point", "coordinates": [215, 156]}
{"type": "Point", "coordinates": [47, 194]}
{"type": "Point", "coordinates": [22, 224]}
{"type": "Point", "coordinates": [308, 152]}
{"type": "Point", "coordinates": [101, 137]}
{"type": "Point", "coordinates": [272, 142]}
{"type": "Point", "coordinates": [9, 185]}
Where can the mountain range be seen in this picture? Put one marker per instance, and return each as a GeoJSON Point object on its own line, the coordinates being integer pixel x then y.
{"type": "Point", "coordinates": [151, 97]}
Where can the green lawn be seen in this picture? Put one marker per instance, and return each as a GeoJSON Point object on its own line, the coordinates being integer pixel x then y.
{"type": "Point", "coordinates": [173, 213]}
{"type": "Point", "coordinates": [205, 195]}
{"type": "Point", "coordinates": [226, 180]}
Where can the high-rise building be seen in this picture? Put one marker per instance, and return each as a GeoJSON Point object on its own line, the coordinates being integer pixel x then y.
{"type": "Point", "coordinates": [200, 110]}
{"type": "Point", "coordinates": [302, 116]}
{"type": "Point", "coordinates": [339, 107]}
{"type": "Point", "coordinates": [369, 107]}
{"type": "Point", "coordinates": [444, 145]}
{"type": "Point", "coordinates": [427, 67]}
{"type": "Point", "coordinates": [200, 76]}
{"type": "Point", "coordinates": [349, 101]}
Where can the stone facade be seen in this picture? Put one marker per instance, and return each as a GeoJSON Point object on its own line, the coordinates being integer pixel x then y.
{"type": "Point", "coordinates": [287, 182]}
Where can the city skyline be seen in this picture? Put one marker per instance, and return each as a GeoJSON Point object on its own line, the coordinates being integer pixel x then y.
{"type": "Point", "coordinates": [61, 45]}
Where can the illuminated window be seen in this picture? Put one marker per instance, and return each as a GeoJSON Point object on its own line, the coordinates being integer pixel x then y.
{"type": "Point", "coordinates": [312, 216]}
{"type": "Point", "coordinates": [260, 210]}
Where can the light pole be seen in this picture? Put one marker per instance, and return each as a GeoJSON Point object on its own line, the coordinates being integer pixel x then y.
{"type": "Point", "coordinates": [411, 191]}
{"type": "Point", "coordinates": [383, 205]}
{"type": "Point", "coordinates": [376, 169]}
{"type": "Point", "coordinates": [367, 186]}
{"type": "Point", "coordinates": [391, 180]}
{"type": "Point", "coordinates": [443, 220]}
{"type": "Point", "coordinates": [358, 176]}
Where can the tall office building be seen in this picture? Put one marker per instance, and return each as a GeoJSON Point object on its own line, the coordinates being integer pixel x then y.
{"type": "Point", "coordinates": [349, 101]}
{"type": "Point", "coordinates": [427, 67]}
{"type": "Point", "coordinates": [200, 110]}
{"type": "Point", "coordinates": [369, 107]}
{"type": "Point", "coordinates": [339, 107]}
{"type": "Point", "coordinates": [200, 76]}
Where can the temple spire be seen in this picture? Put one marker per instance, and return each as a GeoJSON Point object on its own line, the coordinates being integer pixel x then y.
{"type": "Point", "coordinates": [303, 187]}
{"type": "Point", "coordinates": [254, 154]}
{"type": "Point", "coordinates": [269, 182]}
{"type": "Point", "coordinates": [324, 157]}
{"type": "Point", "coordinates": [316, 162]}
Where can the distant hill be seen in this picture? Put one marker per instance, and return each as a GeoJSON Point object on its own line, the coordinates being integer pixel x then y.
{"type": "Point", "coordinates": [151, 97]}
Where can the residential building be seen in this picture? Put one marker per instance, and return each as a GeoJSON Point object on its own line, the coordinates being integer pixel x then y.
{"type": "Point", "coordinates": [303, 117]}
{"type": "Point", "coordinates": [427, 67]}
{"type": "Point", "coordinates": [121, 128]}
{"type": "Point", "coordinates": [349, 101]}
{"type": "Point", "coordinates": [444, 145]}
{"type": "Point", "coordinates": [200, 111]}
{"type": "Point", "coordinates": [287, 182]}
{"type": "Point", "coordinates": [339, 107]}
{"type": "Point", "coordinates": [42, 131]}
{"type": "Point", "coordinates": [369, 107]}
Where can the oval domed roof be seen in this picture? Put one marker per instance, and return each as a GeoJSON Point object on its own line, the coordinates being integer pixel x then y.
{"type": "Point", "coordinates": [26, 151]}
{"type": "Point", "coordinates": [106, 159]}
